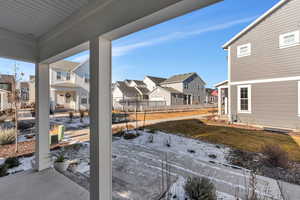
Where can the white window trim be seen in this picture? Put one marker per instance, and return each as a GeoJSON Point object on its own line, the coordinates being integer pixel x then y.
{"type": "Point", "coordinates": [249, 111]}
{"type": "Point", "coordinates": [283, 46]}
{"type": "Point", "coordinates": [298, 98]}
{"type": "Point", "coordinates": [239, 54]}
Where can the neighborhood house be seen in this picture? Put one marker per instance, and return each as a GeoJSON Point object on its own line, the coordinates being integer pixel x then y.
{"type": "Point", "coordinates": [182, 89]}
{"type": "Point", "coordinates": [264, 72]}
{"type": "Point", "coordinates": [69, 85]}
{"type": "Point", "coordinates": [7, 89]}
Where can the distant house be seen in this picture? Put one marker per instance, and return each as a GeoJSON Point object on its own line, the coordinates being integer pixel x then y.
{"type": "Point", "coordinates": [211, 96]}
{"type": "Point", "coordinates": [152, 82]}
{"type": "Point", "coordinates": [168, 95]}
{"type": "Point", "coordinates": [190, 87]}
{"type": "Point", "coordinates": [69, 82]}
{"type": "Point", "coordinates": [4, 100]}
{"type": "Point", "coordinates": [264, 69]}
{"type": "Point", "coordinates": [7, 91]}
{"type": "Point", "coordinates": [122, 92]}
{"type": "Point", "coordinates": [31, 83]}
{"type": "Point", "coordinates": [24, 92]}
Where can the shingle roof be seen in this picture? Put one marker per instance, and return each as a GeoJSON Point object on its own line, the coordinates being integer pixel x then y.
{"type": "Point", "coordinates": [64, 65]}
{"type": "Point", "coordinates": [143, 90]}
{"type": "Point", "coordinates": [178, 78]}
{"type": "Point", "coordinates": [139, 83]}
{"type": "Point", "coordinates": [156, 80]}
{"type": "Point", "coordinates": [128, 91]}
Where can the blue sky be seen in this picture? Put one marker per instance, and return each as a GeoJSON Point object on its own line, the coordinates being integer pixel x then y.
{"type": "Point", "coordinates": [190, 43]}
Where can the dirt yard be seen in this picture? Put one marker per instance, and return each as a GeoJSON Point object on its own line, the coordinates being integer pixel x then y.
{"type": "Point", "coordinates": [164, 115]}
{"type": "Point", "coordinates": [237, 138]}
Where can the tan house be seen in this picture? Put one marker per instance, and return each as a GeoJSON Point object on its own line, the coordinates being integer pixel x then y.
{"type": "Point", "coordinates": [263, 69]}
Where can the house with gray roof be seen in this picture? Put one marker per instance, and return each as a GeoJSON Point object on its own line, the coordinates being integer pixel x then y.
{"type": "Point", "coordinates": [190, 87]}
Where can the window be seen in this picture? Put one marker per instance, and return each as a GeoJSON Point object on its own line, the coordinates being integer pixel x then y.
{"type": "Point", "coordinates": [289, 39]}
{"type": "Point", "coordinates": [83, 100]}
{"type": "Point", "coordinates": [186, 86]}
{"type": "Point", "coordinates": [244, 99]}
{"type": "Point", "coordinates": [86, 78]}
{"type": "Point", "coordinates": [244, 50]}
{"type": "Point", "coordinates": [58, 75]}
{"type": "Point", "coordinates": [68, 76]}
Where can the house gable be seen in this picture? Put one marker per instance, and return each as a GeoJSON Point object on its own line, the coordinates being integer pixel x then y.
{"type": "Point", "coordinates": [267, 59]}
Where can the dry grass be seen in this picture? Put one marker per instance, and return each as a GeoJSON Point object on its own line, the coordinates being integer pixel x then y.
{"type": "Point", "coordinates": [173, 114]}
{"type": "Point", "coordinates": [243, 139]}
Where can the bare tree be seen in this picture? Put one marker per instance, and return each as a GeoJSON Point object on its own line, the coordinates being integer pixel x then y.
{"type": "Point", "coordinates": [18, 76]}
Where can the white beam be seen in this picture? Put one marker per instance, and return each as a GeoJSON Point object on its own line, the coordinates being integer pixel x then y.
{"type": "Point", "coordinates": [220, 101]}
{"type": "Point", "coordinates": [17, 46]}
{"type": "Point", "coordinates": [100, 113]}
{"type": "Point", "coordinates": [114, 19]}
{"type": "Point", "coordinates": [42, 150]}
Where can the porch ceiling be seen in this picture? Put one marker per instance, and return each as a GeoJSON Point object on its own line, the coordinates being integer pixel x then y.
{"type": "Point", "coordinates": [50, 30]}
{"type": "Point", "coordinates": [36, 17]}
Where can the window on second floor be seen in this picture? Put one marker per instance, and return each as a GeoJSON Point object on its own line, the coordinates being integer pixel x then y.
{"type": "Point", "coordinates": [289, 39]}
{"type": "Point", "coordinates": [86, 78]}
{"type": "Point", "coordinates": [84, 100]}
{"type": "Point", "coordinates": [185, 86]}
{"type": "Point", "coordinates": [244, 50]}
{"type": "Point", "coordinates": [68, 76]}
{"type": "Point", "coordinates": [58, 75]}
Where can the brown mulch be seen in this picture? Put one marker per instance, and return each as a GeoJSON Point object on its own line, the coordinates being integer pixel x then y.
{"type": "Point", "coordinates": [24, 149]}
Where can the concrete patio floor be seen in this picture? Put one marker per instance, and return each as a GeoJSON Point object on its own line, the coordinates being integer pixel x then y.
{"type": "Point", "coordinates": [47, 185]}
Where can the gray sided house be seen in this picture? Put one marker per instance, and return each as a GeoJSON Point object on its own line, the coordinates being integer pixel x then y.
{"type": "Point", "coordinates": [264, 69]}
{"type": "Point", "coordinates": [190, 85]}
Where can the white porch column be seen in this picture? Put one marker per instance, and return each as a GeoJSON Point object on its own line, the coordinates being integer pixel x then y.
{"type": "Point", "coordinates": [42, 150]}
{"type": "Point", "coordinates": [100, 116]}
{"type": "Point", "coordinates": [219, 101]}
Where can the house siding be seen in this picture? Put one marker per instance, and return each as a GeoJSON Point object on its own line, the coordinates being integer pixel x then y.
{"type": "Point", "coordinates": [176, 86]}
{"type": "Point", "coordinates": [161, 94]}
{"type": "Point", "coordinates": [196, 88]}
{"type": "Point", "coordinates": [273, 104]}
{"type": "Point", "coordinates": [267, 60]}
{"type": "Point", "coordinates": [149, 83]}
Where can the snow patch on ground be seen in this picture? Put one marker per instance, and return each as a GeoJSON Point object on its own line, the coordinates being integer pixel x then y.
{"type": "Point", "coordinates": [180, 145]}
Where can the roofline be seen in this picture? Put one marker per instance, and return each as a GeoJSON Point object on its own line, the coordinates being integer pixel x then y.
{"type": "Point", "coordinates": [193, 73]}
{"type": "Point", "coordinates": [80, 64]}
{"type": "Point", "coordinates": [256, 22]}
{"type": "Point", "coordinates": [220, 83]}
